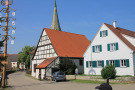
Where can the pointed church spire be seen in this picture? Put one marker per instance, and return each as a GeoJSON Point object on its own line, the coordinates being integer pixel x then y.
{"type": "Point", "coordinates": [55, 21]}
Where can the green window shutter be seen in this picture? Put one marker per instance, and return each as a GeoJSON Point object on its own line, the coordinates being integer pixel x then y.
{"type": "Point", "coordinates": [87, 64]}
{"type": "Point", "coordinates": [117, 47]}
{"type": "Point", "coordinates": [102, 63]}
{"type": "Point", "coordinates": [106, 32]}
{"type": "Point", "coordinates": [94, 63]}
{"type": "Point", "coordinates": [117, 63]}
{"type": "Point", "coordinates": [93, 48]}
{"type": "Point", "coordinates": [107, 62]}
{"type": "Point", "coordinates": [127, 62]}
{"type": "Point", "coordinates": [108, 47]}
{"type": "Point", "coordinates": [100, 34]}
{"type": "Point", "coordinates": [100, 48]}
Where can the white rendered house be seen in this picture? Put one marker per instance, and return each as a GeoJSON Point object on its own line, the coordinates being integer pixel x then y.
{"type": "Point", "coordinates": [111, 45]}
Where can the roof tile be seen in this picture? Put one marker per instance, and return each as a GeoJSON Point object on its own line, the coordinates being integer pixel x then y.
{"type": "Point", "coordinates": [68, 44]}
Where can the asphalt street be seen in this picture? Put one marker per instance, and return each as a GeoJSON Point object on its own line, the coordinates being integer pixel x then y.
{"type": "Point", "coordinates": [19, 81]}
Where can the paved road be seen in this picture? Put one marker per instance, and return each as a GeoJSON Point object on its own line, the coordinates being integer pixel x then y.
{"type": "Point", "coordinates": [20, 82]}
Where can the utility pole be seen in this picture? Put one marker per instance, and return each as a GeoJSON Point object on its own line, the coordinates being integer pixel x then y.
{"type": "Point", "coordinates": [6, 29]}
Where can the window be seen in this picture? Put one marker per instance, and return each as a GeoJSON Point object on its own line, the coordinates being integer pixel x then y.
{"type": "Point", "coordinates": [111, 62]}
{"type": "Point", "coordinates": [90, 63]}
{"type": "Point", "coordinates": [34, 67]}
{"type": "Point", "coordinates": [103, 33]}
{"type": "Point", "coordinates": [97, 48]}
{"type": "Point", "coordinates": [113, 46]}
{"type": "Point", "coordinates": [81, 62]}
{"type": "Point", "coordinates": [99, 63]}
{"type": "Point", "coordinates": [123, 63]}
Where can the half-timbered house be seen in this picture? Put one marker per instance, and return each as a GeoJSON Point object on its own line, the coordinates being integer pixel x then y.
{"type": "Point", "coordinates": [54, 45]}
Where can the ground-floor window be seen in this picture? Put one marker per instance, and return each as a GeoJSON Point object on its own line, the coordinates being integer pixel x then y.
{"type": "Point", "coordinates": [111, 62]}
{"type": "Point", "coordinates": [81, 62]}
{"type": "Point", "coordinates": [123, 63]}
{"type": "Point", "coordinates": [99, 63]}
{"type": "Point", "coordinates": [34, 67]}
{"type": "Point", "coordinates": [90, 63]}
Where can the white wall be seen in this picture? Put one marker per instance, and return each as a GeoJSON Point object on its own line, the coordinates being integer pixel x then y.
{"type": "Point", "coordinates": [48, 68]}
{"type": "Point", "coordinates": [14, 64]}
{"type": "Point", "coordinates": [35, 62]}
{"type": "Point", "coordinates": [130, 39]}
{"type": "Point", "coordinates": [123, 53]}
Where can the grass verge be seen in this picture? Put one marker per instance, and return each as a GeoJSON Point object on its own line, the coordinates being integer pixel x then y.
{"type": "Point", "coordinates": [28, 75]}
{"type": "Point", "coordinates": [7, 88]}
{"type": "Point", "coordinates": [97, 82]}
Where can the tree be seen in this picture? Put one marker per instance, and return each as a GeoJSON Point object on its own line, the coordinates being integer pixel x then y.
{"type": "Point", "coordinates": [24, 56]}
{"type": "Point", "coordinates": [1, 57]}
{"type": "Point", "coordinates": [67, 66]}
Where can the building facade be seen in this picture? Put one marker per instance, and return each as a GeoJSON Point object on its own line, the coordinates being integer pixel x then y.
{"type": "Point", "coordinates": [54, 45]}
{"type": "Point", "coordinates": [111, 45]}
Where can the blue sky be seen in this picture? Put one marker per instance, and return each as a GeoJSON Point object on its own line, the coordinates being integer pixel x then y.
{"type": "Point", "coordinates": [77, 16]}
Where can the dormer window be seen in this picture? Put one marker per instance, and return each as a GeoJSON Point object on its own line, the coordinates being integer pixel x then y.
{"type": "Point", "coordinates": [103, 33]}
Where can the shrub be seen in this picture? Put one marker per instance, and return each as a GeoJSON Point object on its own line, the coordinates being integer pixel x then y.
{"type": "Point", "coordinates": [67, 66]}
{"type": "Point", "coordinates": [108, 71]}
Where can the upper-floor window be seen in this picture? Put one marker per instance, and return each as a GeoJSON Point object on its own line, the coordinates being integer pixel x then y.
{"type": "Point", "coordinates": [103, 33]}
{"type": "Point", "coordinates": [97, 48]}
{"type": "Point", "coordinates": [112, 46]}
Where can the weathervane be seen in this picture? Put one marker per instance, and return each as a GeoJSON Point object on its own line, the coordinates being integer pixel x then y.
{"type": "Point", "coordinates": [6, 28]}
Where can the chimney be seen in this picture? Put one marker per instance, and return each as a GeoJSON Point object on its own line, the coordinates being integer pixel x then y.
{"type": "Point", "coordinates": [114, 24]}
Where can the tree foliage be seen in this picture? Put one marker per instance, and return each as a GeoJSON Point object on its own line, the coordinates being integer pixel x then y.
{"type": "Point", "coordinates": [67, 66]}
{"type": "Point", "coordinates": [24, 56]}
{"type": "Point", "coordinates": [108, 71]}
{"type": "Point", "coordinates": [1, 57]}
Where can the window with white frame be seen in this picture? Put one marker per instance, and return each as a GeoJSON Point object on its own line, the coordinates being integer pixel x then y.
{"type": "Point", "coordinates": [103, 33]}
{"type": "Point", "coordinates": [111, 62]}
{"type": "Point", "coordinates": [123, 63]}
{"type": "Point", "coordinates": [90, 63]}
{"type": "Point", "coordinates": [99, 63]}
{"type": "Point", "coordinates": [113, 46]}
{"type": "Point", "coordinates": [97, 48]}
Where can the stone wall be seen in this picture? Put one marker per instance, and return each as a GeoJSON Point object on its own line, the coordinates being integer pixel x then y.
{"type": "Point", "coordinates": [99, 78]}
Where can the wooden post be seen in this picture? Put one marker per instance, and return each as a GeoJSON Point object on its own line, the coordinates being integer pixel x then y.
{"type": "Point", "coordinates": [5, 44]}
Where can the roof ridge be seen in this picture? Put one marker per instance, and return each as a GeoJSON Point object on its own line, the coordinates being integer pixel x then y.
{"type": "Point", "coordinates": [119, 32]}
{"type": "Point", "coordinates": [120, 28]}
{"type": "Point", "coordinates": [64, 31]}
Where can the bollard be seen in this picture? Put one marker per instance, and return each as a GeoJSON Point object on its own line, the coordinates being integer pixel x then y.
{"type": "Point", "coordinates": [39, 77]}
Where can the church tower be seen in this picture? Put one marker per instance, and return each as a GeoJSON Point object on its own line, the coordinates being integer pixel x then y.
{"type": "Point", "coordinates": [55, 21]}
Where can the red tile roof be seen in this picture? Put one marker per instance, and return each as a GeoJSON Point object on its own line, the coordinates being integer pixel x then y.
{"type": "Point", "coordinates": [46, 62]}
{"type": "Point", "coordinates": [11, 57]}
{"type": "Point", "coordinates": [119, 31]}
{"type": "Point", "coordinates": [68, 44]}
